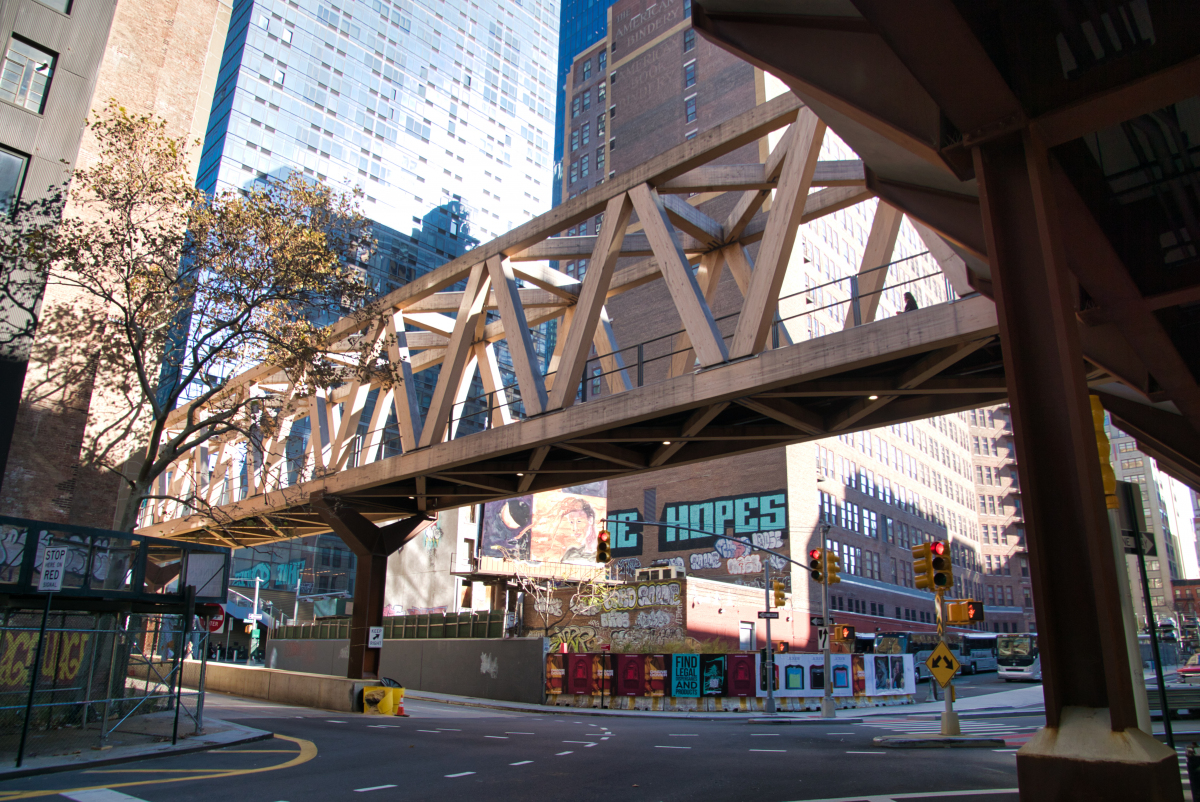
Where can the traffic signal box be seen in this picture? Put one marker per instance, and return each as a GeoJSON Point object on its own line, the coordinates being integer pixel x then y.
{"type": "Point", "coordinates": [777, 587]}
{"type": "Point", "coordinates": [963, 611]}
{"type": "Point", "coordinates": [843, 634]}
{"type": "Point", "coordinates": [816, 565]}
{"type": "Point", "coordinates": [603, 546]}
{"type": "Point", "coordinates": [931, 567]}
{"type": "Point", "coordinates": [833, 567]}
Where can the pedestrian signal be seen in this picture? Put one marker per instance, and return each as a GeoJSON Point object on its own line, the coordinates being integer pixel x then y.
{"type": "Point", "coordinates": [974, 610]}
{"type": "Point", "coordinates": [781, 647]}
{"type": "Point", "coordinates": [843, 633]}
{"type": "Point", "coordinates": [777, 586]}
{"type": "Point", "coordinates": [603, 546]}
{"type": "Point", "coordinates": [816, 565]}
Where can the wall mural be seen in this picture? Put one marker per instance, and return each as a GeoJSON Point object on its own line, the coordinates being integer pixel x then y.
{"type": "Point", "coordinates": [757, 519]}
{"type": "Point", "coordinates": [632, 617]}
{"type": "Point", "coordinates": [554, 526]}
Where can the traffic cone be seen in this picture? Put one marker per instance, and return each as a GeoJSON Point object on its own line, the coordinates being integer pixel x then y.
{"type": "Point", "coordinates": [399, 697]}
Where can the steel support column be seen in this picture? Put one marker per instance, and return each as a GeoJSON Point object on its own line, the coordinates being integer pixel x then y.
{"type": "Point", "coordinates": [372, 545]}
{"type": "Point", "coordinates": [1091, 747]}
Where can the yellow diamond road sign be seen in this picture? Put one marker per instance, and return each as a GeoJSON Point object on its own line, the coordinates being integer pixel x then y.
{"type": "Point", "coordinates": [942, 664]}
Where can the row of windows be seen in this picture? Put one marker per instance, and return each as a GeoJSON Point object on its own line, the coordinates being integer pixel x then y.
{"type": "Point", "coordinates": [987, 475]}
{"type": "Point", "coordinates": [990, 418]}
{"type": "Point", "coordinates": [583, 101]}
{"type": "Point", "coordinates": [885, 490]}
{"type": "Point", "coordinates": [25, 82]}
{"type": "Point", "coordinates": [985, 446]}
{"type": "Point", "coordinates": [585, 69]}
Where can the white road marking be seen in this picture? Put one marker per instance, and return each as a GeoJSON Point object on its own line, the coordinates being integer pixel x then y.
{"type": "Point", "coordinates": [435, 732]}
{"type": "Point", "coordinates": [460, 774]}
{"type": "Point", "coordinates": [866, 753]}
{"type": "Point", "coordinates": [497, 737]}
{"type": "Point", "coordinates": [1004, 750]}
{"type": "Point", "coordinates": [684, 734]}
{"type": "Point", "coordinates": [768, 750]}
{"type": "Point", "coordinates": [764, 735]}
{"type": "Point", "coordinates": [672, 747]}
{"type": "Point", "coordinates": [101, 795]}
{"type": "Point", "coordinates": [585, 746]}
{"type": "Point", "coordinates": [839, 733]}
{"type": "Point", "coordinates": [604, 738]}
{"type": "Point", "coordinates": [579, 742]}
{"type": "Point", "coordinates": [448, 729]}
{"type": "Point", "coordinates": [886, 797]}
{"type": "Point", "coordinates": [521, 763]}
{"type": "Point", "coordinates": [560, 754]}
{"type": "Point", "coordinates": [331, 721]}
{"type": "Point", "coordinates": [384, 726]}
{"type": "Point", "coordinates": [373, 788]}
{"type": "Point", "coordinates": [519, 733]}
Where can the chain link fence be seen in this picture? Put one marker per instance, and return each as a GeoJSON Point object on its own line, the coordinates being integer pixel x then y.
{"type": "Point", "coordinates": [69, 681]}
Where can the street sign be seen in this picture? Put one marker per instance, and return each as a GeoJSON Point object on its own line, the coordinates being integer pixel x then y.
{"type": "Point", "coordinates": [217, 621]}
{"type": "Point", "coordinates": [768, 614]}
{"type": "Point", "coordinates": [254, 617]}
{"type": "Point", "coordinates": [822, 638]}
{"type": "Point", "coordinates": [942, 664]}
{"type": "Point", "coordinates": [374, 637]}
{"type": "Point", "coordinates": [817, 621]}
{"type": "Point", "coordinates": [54, 561]}
{"type": "Point", "coordinates": [1128, 539]}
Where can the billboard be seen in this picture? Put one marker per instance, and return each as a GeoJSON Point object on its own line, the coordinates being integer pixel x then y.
{"type": "Point", "coordinates": [803, 674]}
{"type": "Point", "coordinates": [554, 526]}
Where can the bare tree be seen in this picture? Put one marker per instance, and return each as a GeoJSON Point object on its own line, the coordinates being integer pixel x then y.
{"type": "Point", "coordinates": [186, 291]}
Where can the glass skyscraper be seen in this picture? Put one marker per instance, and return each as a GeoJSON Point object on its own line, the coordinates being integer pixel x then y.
{"type": "Point", "coordinates": [583, 23]}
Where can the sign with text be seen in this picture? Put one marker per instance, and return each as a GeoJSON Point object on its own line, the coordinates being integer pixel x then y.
{"type": "Point", "coordinates": [685, 675]}
{"type": "Point", "coordinates": [54, 562]}
{"type": "Point", "coordinates": [374, 637]}
{"type": "Point", "coordinates": [772, 614]}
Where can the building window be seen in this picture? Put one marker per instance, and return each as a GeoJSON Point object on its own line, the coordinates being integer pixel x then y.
{"type": "Point", "coordinates": [599, 169]}
{"type": "Point", "coordinates": [689, 74]}
{"type": "Point", "coordinates": [575, 103]}
{"type": "Point", "coordinates": [689, 40]}
{"type": "Point", "coordinates": [603, 59]}
{"type": "Point", "coordinates": [26, 76]}
{"type": "Point", "coordinates": [601, 93]}
{"type": "Point", "coordinates": [600, 119]}
{"type": "Point", "coordinates": [575, 140]}
{"type": "Point", "coordinates": [585, 133]}
{"type": "Point", "coordinates": [690, 109]}
{"type": "Point", "coordinates": [587, 70]}
{"type": "Point", "coordinates": [12, 175]}
{"type": "Point", "coordinates": [574, 172]}
{"type": "Point", "coordinates": [583, 167]}
{"type": "Point", "coordinates": [58, 5]}
{"type": "Point", "coordinates": [587, 100]}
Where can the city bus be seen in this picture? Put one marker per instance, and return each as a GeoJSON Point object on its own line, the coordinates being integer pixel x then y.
{"type": "Point", "coordinates": [1018, 657]}
{"type": "Point", "coordinates": [979, 652]}
{"type": "Point", "coordinates": [919, 644]}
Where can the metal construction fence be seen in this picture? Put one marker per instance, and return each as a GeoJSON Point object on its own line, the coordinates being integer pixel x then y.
{"type": "Point", "coordinates": [70, 680]}
{"type": "Point", "coordinates": [432, 625]}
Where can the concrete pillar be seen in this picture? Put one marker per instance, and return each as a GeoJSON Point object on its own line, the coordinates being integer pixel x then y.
{"type": "Point", "coordinates": [1091, 748]}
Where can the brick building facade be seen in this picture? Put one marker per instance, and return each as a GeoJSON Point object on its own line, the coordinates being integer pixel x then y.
{"type": "Point", "coordinates": [161, 57]}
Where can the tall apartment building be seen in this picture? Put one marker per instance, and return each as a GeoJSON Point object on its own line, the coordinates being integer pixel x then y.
{"type": "Point", "coordinates": [1008, 592]}
{"type": "Point", "coordinates": [63, 60]}
{"type": "Point", "coordinates": [1131, 465]}
{"type": "Point", "coordinates": [649, 85]}
{"type": "Point", "coordinates": [582, 23]}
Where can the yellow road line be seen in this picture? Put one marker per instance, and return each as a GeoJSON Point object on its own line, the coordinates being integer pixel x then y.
{"type": "Point", "coordinates": [308, 750]}
{"type": "Point", "coordinates": [151, 771]}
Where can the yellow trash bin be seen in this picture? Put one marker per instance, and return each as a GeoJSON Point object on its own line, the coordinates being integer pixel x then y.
{"type": "Point", "coordinates": [381, 701]}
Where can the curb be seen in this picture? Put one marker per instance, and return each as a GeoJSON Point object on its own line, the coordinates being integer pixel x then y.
{"type": "Point", "coordinates": [13, 774]}
{"type": "Point", "coordinates": [937, 742]}
{"type": "Point", "coordinates": [712, 715]}
{"type": "Point", "coordinates": [806, 720]}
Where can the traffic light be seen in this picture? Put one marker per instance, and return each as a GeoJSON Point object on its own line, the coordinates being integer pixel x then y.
{"type": "Point", "coordinates": [777, 586]}
{"type": "Point", "coordinates": [922, 566]}
{"type": "Point", "coordinates": [963, 611]}
{"type": "Point", "coordinates": [843, 633]}
{"type": "Point", "coordinates": [781, 647]}
{"type": "Point", "coordinates": [833, 567]}
{"type": "Point", "coordinates": [816, 565]}
{"type": "Point", "coordinates": [603, 546]}
{"type": "Point", "coordinates": [943, 570]}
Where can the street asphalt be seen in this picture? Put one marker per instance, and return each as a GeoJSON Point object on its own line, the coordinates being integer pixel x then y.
{"type": "Point", "coordinates": [445, 752]}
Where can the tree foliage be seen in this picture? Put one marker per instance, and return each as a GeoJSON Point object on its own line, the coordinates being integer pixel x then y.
{"type": "Point", "coordinates": [181, 291]}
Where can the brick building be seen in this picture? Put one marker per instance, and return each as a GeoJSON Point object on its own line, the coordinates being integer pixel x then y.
{"type": "Point", "coordinates": [98, 50]}
{"type": "Point", "coordinates": [1008, 594]}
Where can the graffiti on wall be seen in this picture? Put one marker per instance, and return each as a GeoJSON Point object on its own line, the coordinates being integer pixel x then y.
{"type": "Point", "coordinates": [61, 659]}
{"type": "Point", "coordinates": [284, 575]}
{"type": "Point", "coordinates": [630, 617]}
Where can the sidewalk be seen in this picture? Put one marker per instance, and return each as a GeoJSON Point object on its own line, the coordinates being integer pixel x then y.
{"type": "Point", "coordinates": [139, 738]}
{"type": "Point", "coordinates": [1026, 700]}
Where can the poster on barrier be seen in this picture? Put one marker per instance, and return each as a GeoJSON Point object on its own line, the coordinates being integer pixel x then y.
{"type": "Point", "coordinates": [556, 673]}
{"type": "Point", "coordinates": [712, 674]}
{"type": "Point", "coordinates": [741, 675]}
{"type": "Point", "coordinates": [579, 673]}
{"type": "Point", "coordinates": [629, 674]}
{"type": "Point", "coordinates": [655, 676]}
{"type": "Point", "coordinates": [804, 675]}
{"type": "Point", "coordinates": [890, 674]}
{"type": "Point", "coordinates": [685, 675]}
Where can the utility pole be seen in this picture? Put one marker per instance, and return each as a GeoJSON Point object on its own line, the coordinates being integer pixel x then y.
{"type": "Point", "coordinates": [827, 708]}
{"type": "Point", "coordinates": [770, 661]}
{"type": "Point", "coordinates": [949, 717]}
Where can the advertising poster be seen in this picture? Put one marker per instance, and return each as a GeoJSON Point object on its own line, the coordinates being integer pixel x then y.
{"type": "Point", "coordinates": [601, 674]}
{"type": "Point", "coordinates": [556, 673]}
{"type": "Point", "coordinates": [655, 676]}
{"type": "Point", "coordinates": [712, 674]}
{"type": "Point", "coordinates": [804, 675]}
{"type": "Point", "coordinates": [629, 674]}
{"type": "Point", "coordinates": [555, 526]}
{"type": "Point", "coordinates": [579, 673]}
{"type": "Point", "coordinates": [890, 674]}
{"type": "Point", "coordinates": [685, 675]}
{"type": "Point", "coordinates": [740, 678]}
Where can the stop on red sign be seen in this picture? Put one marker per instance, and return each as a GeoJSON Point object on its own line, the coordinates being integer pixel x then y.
{"type": "Point", "coordinates": [218, 619]}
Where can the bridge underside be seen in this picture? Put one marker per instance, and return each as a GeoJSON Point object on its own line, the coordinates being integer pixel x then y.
{"type": "Point", "coordinates": [927, 362]}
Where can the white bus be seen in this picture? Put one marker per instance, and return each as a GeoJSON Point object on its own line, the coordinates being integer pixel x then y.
{"type": "Point", "coordinates": [919, 644]}
{"type": "Point", "coordinates": [1018, 657]}
{"type": "Point", "coordinates": [979, 652]}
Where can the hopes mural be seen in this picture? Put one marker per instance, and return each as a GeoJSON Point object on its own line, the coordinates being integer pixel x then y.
{"type": "Point", "coordinates": [554, 526]}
